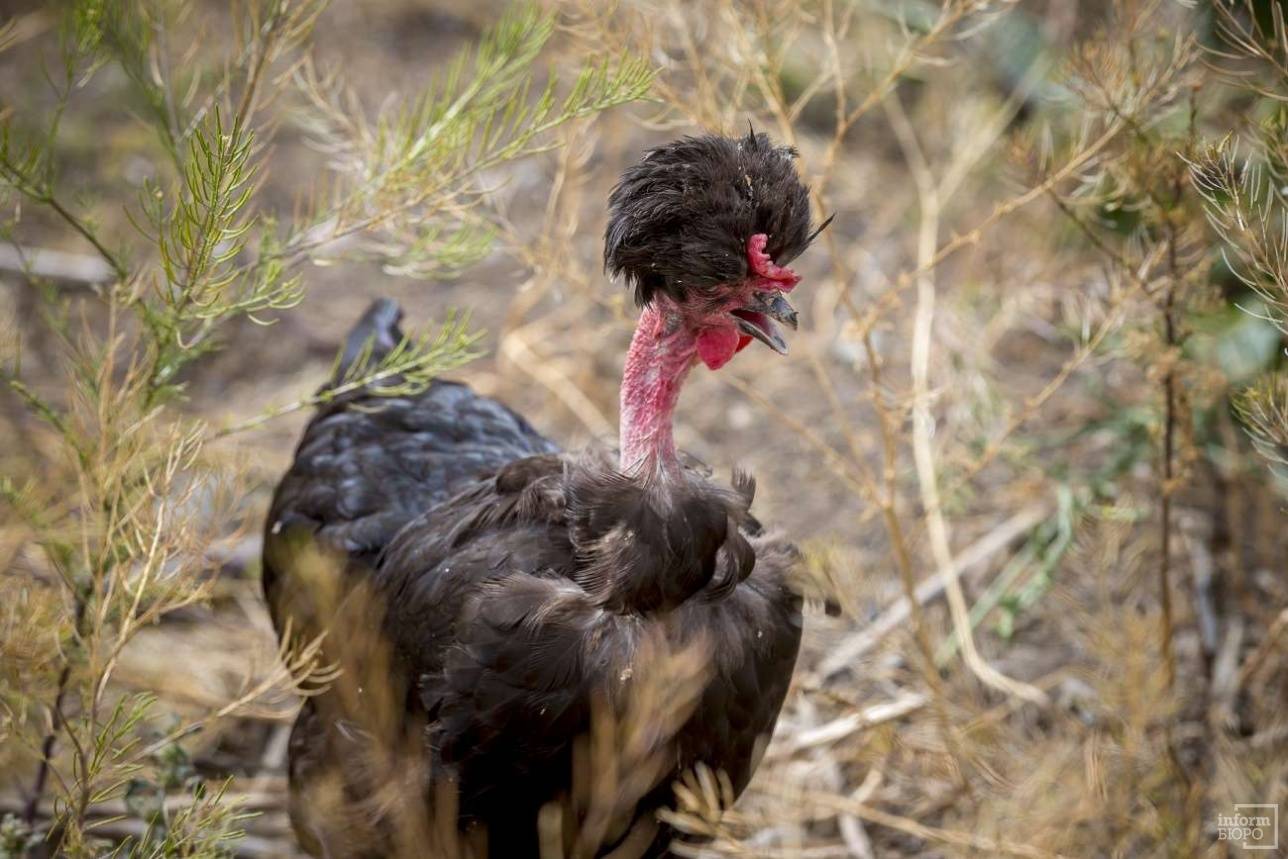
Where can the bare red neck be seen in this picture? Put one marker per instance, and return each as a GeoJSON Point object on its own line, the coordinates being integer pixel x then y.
{"type": "Point", "coordinates": [661, 353]}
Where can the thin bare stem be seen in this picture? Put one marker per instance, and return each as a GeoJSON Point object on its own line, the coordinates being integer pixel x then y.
{"type": "Point", "coordinates": [923, 421]}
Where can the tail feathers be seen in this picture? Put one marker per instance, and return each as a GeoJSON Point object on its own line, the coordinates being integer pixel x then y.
{"type": "Point", "coordinates": [371, 338]}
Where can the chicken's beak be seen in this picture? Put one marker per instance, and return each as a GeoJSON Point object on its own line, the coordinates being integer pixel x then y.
{"type": "Point", "coordinates": [758, 319]}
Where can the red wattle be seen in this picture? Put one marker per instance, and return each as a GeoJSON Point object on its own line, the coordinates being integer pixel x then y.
{"type": "Point", "coordinates": [716, 346]}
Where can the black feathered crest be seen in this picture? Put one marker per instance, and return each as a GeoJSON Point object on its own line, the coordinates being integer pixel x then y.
{"type": "Point", "coordinates": [679, 220]}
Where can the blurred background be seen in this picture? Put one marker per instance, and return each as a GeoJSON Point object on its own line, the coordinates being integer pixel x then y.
{"type": "Point", "coordinates": [1032, 435]}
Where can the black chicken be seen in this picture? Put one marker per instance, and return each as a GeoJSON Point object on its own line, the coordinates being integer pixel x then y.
{"type": "Point", "coordinates": [523, 591]}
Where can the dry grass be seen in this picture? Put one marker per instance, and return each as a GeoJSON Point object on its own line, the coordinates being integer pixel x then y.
{"type": "Point", "coordinates": [1012, 435]}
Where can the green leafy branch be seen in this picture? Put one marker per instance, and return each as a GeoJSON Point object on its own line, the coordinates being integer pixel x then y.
{"type": "Point", "coordinates": [128, 537]}
{"type": "Point", "coordinates": [414, 163]}
{"type": "Point", "coordinates": [408, 368]}
{"type": "Point", "coordinates": [1246, 210]}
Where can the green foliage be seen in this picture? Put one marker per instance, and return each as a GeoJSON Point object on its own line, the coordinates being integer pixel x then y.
{"type": "Point", "coordinates": [404, 370]}
{"type": "Point", "coordinates": [1241, 180]}
{"type": "Point", "coordinates": [1263, 406]}
{"type": "Point", "coordinates": [409, 174]}
{"type": "Point", "coordinates": [1027, 576]}
{"type": "Point", "coordinates": [200, 238]}
{"type": "Point", "coordinates": [126, 494]}
{"type": "Point", "coordinates": [1245, 206]}
{"type": "Point", "coordinates": [184, 815]}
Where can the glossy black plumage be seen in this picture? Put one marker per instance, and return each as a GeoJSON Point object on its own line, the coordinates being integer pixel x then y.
{"type": "Point", "coordinates": [361, 473]}
{"type": "Point", "coordinates": [511, 599]}
{"type": "Point", "coordinates": [499, 601]}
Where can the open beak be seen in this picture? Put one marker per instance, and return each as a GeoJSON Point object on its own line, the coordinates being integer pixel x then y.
{"type": "Point", "coordinates": [759, 318]}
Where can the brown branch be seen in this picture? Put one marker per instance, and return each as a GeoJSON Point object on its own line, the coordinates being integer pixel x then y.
{"type": "Point", "coordinates": [31, 808]}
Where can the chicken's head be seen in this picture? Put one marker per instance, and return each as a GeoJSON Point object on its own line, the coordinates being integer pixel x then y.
{"type": "Point", "coordinates": [706, 226]}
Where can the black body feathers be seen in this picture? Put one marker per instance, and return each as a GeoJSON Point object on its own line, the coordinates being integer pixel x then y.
{"type": "Point", "coordinates": [515, 589]}
{"type": "Point", "coordinates": [532, 645]}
